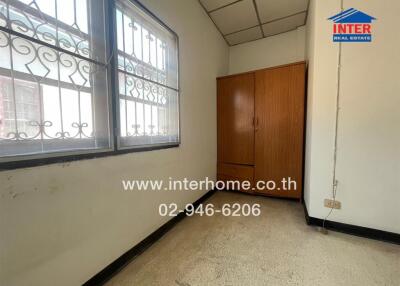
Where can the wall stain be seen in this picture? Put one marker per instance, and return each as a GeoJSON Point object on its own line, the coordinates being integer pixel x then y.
{"type": "Point", "coordinates": [53, 189]}
{"type": "Point", "coordinates": [13, 194]}
{"type": "Point", "coordinates": [64, 165]}
{"type": "Point", "coordinates": [181, 283]}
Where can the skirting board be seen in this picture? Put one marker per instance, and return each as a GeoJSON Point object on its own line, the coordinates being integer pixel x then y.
{"type": "Point", "coordinates": [353, 229]}
{"type": "Point", "coordinates": [111, 270]}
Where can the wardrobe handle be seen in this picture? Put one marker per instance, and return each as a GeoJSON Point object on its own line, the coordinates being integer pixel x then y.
{"type": "Point", "coordinates": [256, 123]}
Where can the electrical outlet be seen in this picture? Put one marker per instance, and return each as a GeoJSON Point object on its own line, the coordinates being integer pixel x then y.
{"type": "Point", "coordinates": [332, 204]}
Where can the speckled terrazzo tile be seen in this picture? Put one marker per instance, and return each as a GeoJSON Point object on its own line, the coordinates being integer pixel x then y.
{"type": "Point", "coordinates": [277, 248]}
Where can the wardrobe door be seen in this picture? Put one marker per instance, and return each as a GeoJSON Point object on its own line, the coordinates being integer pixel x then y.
{"type": "Point", "coordinates": [235, 115]}
{"type": "Point", "coordinates": [279, 109]}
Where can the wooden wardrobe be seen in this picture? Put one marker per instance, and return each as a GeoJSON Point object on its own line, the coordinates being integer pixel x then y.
{"type": "Point", "coordinates": [261, 127]}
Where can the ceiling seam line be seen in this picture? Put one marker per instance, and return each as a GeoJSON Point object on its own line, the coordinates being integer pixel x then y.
{"type": "Point", "coordinates": [269, 22]}
{"type": "Point", "coordinates": [308, 8]}
{"type": "Point", "coordinates": [291, 30]}
{"type": "Point", "coordinates": [266, 37]}
{"type": "Point", "coordinates": [258, 18]}
{"type": "Point", "coordinates": [285, 17]}
{"type": "Point", "coordinates": [242, 30]}
{"type": "Point", "coordinates": [224, 6]}
{"type": "Point", "coordinates": [209, 16]}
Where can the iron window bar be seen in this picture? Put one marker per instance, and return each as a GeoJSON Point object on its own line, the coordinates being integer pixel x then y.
{"type": "Point", "coordinates": [157, 78]}
{"type": "Point", "coordinates": [38, 33]}
{"type": "Point", "coordinates": [147, 69]}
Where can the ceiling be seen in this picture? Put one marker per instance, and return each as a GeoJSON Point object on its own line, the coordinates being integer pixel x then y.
{"type": "Point", "coordinates": [243, 21]}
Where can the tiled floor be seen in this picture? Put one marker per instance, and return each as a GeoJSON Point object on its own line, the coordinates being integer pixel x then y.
{"type": "Point", "coordinates": [277, 248]}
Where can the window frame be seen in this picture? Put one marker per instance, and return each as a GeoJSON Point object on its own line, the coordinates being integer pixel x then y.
{"type": "Point", "coordinates": [115, 84]}
{"type": "Point", "coordinates": [25, 161]}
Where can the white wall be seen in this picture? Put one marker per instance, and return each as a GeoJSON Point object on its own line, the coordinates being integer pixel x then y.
{"type": "Point", "coordinates": [63, 223]}
{"type": "Point", "coordinates": [368, 161]}
{"type": "Point", "coordinates": [268, 52]}
{"type": "Point", "coordinates": [322, 90]}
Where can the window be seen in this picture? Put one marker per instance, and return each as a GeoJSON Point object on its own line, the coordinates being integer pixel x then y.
{"type": "Point", "coordinates": [147, 79]}
{"type": "Point", "coordinates": [56, 92]}
{"type": "Point", "coordinates": [53, 77]}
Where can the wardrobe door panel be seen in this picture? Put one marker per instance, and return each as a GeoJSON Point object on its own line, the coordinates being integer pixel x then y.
{"type": "Point", "coordinates": [235, 115]}
{"type": "Point", "coordinates": [279, 111]}
{"type": "Point", "coordinates": [236, 173]}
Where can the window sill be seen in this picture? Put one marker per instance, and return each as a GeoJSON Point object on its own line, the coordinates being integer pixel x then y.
{"type": "Point", "coordinates": [12, 165]}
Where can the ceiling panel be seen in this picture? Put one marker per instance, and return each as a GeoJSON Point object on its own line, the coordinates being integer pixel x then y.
{"type": "Point", "coordinates": [284, 25]}
{"type": "Point", "coordinates": [244, 36]}
{"type": "Point", "coordinates": [274, 9]}
{"type": "Point", "coordinates": [241, 21]}
{"type": "Point", "coordinates": [214, 4]}
{"type": "Point", "coordinates": [236, 17]}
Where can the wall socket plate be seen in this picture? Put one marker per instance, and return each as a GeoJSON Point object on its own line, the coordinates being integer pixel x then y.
{"type": "Point", "coordinates": [332, 204]}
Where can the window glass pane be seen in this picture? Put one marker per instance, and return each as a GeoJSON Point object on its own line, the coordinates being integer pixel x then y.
{"type": "Point", "coordinates": [148, 78]}
{"type": "Point", "coordinates": [53, 85]}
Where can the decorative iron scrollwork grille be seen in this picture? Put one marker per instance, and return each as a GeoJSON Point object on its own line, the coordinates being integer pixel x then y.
{"type": "Point", "coordinates": [53, 76]}
{"type": "Point", "coordinates": [55, 59]}
{"type": "Point", "coordinates": [147, 78]}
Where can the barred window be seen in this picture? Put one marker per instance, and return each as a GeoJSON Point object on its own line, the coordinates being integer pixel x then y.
{"type": "Point", "coordinates": [147, 79]}
{"type": "Point", "coordinates": [53, 77]}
